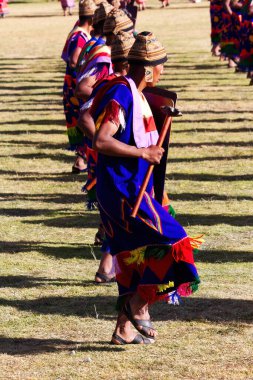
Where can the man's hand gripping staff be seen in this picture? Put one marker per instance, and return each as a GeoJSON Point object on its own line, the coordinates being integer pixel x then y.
{"type": "Point", "coordinates": [154, 153]}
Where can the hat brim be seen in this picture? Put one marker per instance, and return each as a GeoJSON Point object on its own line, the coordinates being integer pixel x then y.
{"type": "Point", "coordinates": [143, 62]}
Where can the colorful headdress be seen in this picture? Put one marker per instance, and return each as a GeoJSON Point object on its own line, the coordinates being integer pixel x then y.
{"type": "Point", "coordinates": [117, 20]}
{"type": "Point", "coordinates": [121, 46]}
{"type": "Point", "coordinates": [147, 50]}
{"type": "Point", "coordinates": [101, 12]}
{"type": "Point", "coordinates": [87, 8]}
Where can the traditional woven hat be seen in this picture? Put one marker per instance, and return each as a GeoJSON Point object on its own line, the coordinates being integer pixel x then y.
{"type": "Point", "coordinates": [117, 20]}
{"type": "Point", "coordinates": [101, 12]}
{"type": "Point", "coordinates": [87, 8]}
{"type": "Point", "coordinates": [121, 45]}
{"type": "Point", "coordinates": [147, 50]}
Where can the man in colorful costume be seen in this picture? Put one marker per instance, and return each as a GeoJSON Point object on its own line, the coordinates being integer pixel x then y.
{"type": "Point", "coordinates": [154, 255]}
{"type": "Point", "coordinates": [76, 40]}
{"type": "Point", "coordinates": [119, 51]}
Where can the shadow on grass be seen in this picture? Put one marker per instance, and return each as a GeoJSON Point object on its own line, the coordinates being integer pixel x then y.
{"type": "Point", "coordinates": [215, 143]}
{"type": "Point", "coordinates": [222, 256]}
{"type": "Point", "coordinates": [69, 221]}
{"type": "Point", "coordinates": [37, 144]}
{"type": "Point", "coordinates": [213, 158]}
{"type": "Point", "coordinates": [34, 132]}
{"type": "Point", "coordinates": [35, 122]}
{"type": "Point", "coordinates": [213, 220]}
{"type": "Point", "coordinates": [70, 251]}
{"type": "Point", "coordinates": [22, 212]}
{"type": "Point", "coordinates": [61, 198]}
{"type": "Point", "coordinates": [217, 310]}
{"type": "Point", "coordinates": [54, 157]}
{"type": "Point", "coordinates": [207, 197]}
{"type": "Point", "coordinates": [35, 346]}
{"type": "Point", "coordinates": [217, 120]}
{"type": "Point", "coordinates": [34, 282]}
{"type": "Point", "coordinates": [209, 177]}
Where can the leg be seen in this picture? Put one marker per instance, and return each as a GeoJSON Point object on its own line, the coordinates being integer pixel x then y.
{"type": "Point", "coordinates": [123, 333]}
{"type": "Point", "coordinates": [105, 269]}
{"type": "Point", "coordinates": [137, 312]}
{"type": "Point", "coordinates": [79, 165]}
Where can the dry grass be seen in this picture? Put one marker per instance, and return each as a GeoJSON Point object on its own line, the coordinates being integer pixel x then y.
{"type": "Point", "coordinates": [55, 324]}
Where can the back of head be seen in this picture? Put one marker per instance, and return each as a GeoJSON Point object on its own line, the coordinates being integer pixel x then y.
{"type": "Point", "coordinates": [101, 12]}
{"type": "Point", "coordinates": [116, 21]}
{"type": "Point", "coordinates": [121, 45]}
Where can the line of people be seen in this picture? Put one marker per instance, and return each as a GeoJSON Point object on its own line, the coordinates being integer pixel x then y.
{"type": "Point", "coordinates": [110, 122]}
{"type": "Point", "coordinates": [232, 33]}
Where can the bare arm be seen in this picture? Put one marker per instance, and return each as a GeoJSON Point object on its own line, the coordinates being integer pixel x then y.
{"type": "Point", "coordinates": [84, 87]}
{"type": "Point", "coordinates": [86, 124]}
{"type": "Point", "coordinates": [74, 57]}
{"type": "Point", "coordinates": [105, 143]}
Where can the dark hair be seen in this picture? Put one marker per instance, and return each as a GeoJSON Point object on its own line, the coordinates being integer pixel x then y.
{"type": "Point", "coordinates": [98, 28]}
{"type": "Point", "coordinates": [84, 19]}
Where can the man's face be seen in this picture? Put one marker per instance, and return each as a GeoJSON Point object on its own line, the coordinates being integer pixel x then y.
{"type": "Point", "coordinates": [157, 71]}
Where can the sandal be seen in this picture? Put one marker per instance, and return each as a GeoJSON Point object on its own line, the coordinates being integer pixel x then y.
{"type": "Point", "coordinates": [138, 339]}
{"type": "Point", "coordinates": [105, 279]}
{"type": "Point", "coordinates": [141, 325]}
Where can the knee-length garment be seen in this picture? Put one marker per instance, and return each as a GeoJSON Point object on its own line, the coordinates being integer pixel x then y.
{"type": "Point", "coordinates": [216, 9]}
{"type": "Point", "coordinates": [77, 38]}
{"type": "Point", "coordinates": [154, 255]}
{"type": "Point", "coordinates": [230, 36]}
{"type": "Point", "coordinates": [4, 10]}
{"type": "Point", "coordinates": [246, 32]}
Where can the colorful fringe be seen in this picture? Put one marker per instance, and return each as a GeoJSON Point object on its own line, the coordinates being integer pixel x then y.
{"type": "Point", "coordinates": [157, 272]}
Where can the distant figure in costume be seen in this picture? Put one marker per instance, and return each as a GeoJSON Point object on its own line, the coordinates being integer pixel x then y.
{"type": "Point", "coordinates": [154, 255]}
{"type": "Point", "coordinates": [94, 62]}
{"type": "Point", "coordinates": [76, 40]}
{"type": "Point", "coordinates": [67, 6]}
{"type": "Point", "coordinates": [4, 9]}
{"type": "Point", "coordinates": [165, 3]}
{"type": "Point", "coordinates": [141, 5]}
{"type": "Point", "coordinates": [230, 36]}
{"type": "Point", "coordinates": [246, 33]}
{"type": "Point", "coordinates": [216, 9]}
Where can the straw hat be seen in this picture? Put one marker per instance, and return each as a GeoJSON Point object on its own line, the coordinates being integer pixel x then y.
{"type": "Point", "coordinates": [121, 45]}
{"type": "Point", "coordinates": [87, 8]}
{"type": "Point", "coordinates": [101, 12]}
{"type": "Point", "coordinates": [117, 20]}
{"type": "Point", "coordinates": [147, 50]}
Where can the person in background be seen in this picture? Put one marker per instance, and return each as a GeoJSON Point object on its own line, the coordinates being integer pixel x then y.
{"type": "Point", "coordinates": [67, 6]}
{"type": "Point", "coordinates": [4, 9]}
{"type": "Point", "coordinates": [120, 47]}
{"type": "Point", "coordinates": [75, 42]}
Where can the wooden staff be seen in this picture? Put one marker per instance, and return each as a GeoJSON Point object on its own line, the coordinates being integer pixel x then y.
{"type": "Point", "coordinates": [170, 111]}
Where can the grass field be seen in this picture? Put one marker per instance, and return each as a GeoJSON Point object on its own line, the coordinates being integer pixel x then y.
{"type": "Point", "coordinates": [55, 323]}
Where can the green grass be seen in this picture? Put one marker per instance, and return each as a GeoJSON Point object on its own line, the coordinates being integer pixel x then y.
{"type": "Point", "coordinates": [55, 324]}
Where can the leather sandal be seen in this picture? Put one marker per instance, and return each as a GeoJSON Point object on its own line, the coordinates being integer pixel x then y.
{"type": "Point", "coordinates": [105, 279]}
{"type": "Point", "coordinates": [141, 325]}
{"type": "Point", "coordinates": [138, 339]}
